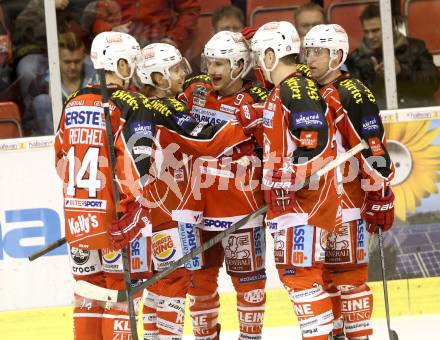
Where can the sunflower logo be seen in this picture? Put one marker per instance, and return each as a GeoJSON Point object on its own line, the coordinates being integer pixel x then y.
{"type": "Point", "coordinates": [417, 162]}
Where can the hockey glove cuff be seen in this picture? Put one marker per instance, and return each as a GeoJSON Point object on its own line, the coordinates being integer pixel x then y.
{"type": "Point", "coordinates": [129, 226]}
{"type": "Point", "coordinates": [279, 193]}
{"type": "Point", "coordinates": [379, 210]}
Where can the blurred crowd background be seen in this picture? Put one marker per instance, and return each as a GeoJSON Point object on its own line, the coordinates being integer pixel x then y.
{"type": "Point", "coordinates": [25, 102]}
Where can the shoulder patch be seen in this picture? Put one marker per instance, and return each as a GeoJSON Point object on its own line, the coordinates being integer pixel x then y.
{"type": "Point", "coordinates": [304, 70]}
{"type": "Point", "coordinates": [201, 78]}
{"type": "Point", "coordinates": [298, 88]}
{"type": "Point", "coordinates": [355, 91]}
{"type": "Point", "coordinates": [258, 93]}
{"type": "Point", "coordinates": [167, 106]}
{"type": "Point", "coordinates": [126, 97]}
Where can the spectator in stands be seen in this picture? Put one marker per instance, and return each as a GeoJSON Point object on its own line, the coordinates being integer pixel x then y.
{"type": "Point", "coordinates": [227, 18]}
{"type": "Point", "coordinates": [5, 55]}
{"type": "Point", "coordinates": [307, 16]}
{"type": "Point", "coordinates": [417, 76]}
{"type": "Point", "coordinates": [76, 72]}
{"type": "Point", "coordinates": [30, 45]}
{"type": "Point", "coordinates": [148, 21]}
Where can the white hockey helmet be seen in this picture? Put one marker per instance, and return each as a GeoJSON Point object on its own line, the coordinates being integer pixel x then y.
{"type": "Point", "coordinates": [280, 36]}
{"type": "Point", "coordinates": [231, 46]}
{"type": "Point", "coordinates": [159, 57]}
{"type": "Point", "coordinates": [333, 37]}
{"type": "Point", "coordinates": [109, 47]}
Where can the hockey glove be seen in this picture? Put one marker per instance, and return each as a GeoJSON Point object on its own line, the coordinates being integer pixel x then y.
{"type": "Point", "coordinates": [379, 210]}
{"type": "Point", "coordinates": [129, 226]}
{"type": "Point", "coordinates": [279, 193]}
{"type": "Point", "coordinates": [250, 117]}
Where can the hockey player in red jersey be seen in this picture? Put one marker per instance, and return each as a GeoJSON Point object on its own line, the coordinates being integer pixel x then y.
{"type": "Point", "coordinates": [82, 156]}
{"type": "Point", "coordinates": [232, 191]}
{"type": "Point", "coordinates": [169, 131]}
{"type": "Point", "coordinates": [174, 212]}
{"type": "Point", "coordinates": [297, 141]}
{"type": "Point", "coordinates": [367, 197]}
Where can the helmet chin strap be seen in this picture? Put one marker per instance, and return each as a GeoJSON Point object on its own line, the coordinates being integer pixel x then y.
{"type": "Point", "coordinates": [125, 79]}
{"type": "Point", "coordinates": [267, 71]}
{"type": "Point", "coordinates": [232, 78]}
{"type": "Point", "coordinates": [165, 88]}
{"type": "Point", "coordinates": [330, 69]}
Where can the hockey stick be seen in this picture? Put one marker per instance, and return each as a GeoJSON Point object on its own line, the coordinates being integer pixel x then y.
{"type": "Point", "coordinates": [125, 265]}
{"type": "Point", "coordinates": [45, 250]}
{"type": "Point", "coordinates": [392, 334]}
{"type": "Point", "coordinates": [91, 291]}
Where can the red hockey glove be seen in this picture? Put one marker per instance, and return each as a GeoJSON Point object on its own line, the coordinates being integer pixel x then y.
{"type": "Point", "coordinates": [250, 117]}
{"type": "Point", "coordinates": [248, 32]}
{"type": "Point", "coordinates": [129, 226]}
{"type": "Point", "coordinates": [379, 211]}
{"type": "Point", "coordinates": [279, 193]}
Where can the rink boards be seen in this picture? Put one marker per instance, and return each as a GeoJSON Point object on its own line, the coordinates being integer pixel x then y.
{"type": "Point", "coordinates": [31, 217]}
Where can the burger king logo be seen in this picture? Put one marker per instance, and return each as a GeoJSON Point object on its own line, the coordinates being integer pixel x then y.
{"type": "Point", "coordinates": [163, 247]}
{"type": "Point", "coordinates": [110, 256]}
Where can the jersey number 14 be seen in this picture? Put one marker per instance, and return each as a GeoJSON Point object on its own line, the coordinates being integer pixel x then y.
{"type": "Point", "coordinates": [89, 164]}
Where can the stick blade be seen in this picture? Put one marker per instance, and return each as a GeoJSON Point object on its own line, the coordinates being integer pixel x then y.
{"type": "Point", "coordinates": [93, 292]}
{"type": "Point", "coordinates": [393, 335]}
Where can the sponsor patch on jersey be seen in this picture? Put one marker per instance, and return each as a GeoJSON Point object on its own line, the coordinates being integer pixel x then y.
{"type": "Point", "coordinates": [139, 261]}
{"type": "Point", "coordinates": [254, 296]}
{"type": "Point", "coordinates": [79, 256]}
{"type": "Point", "coordinates": [198, 101]}
{"type": "Point", "coordinates": [200, 91]}
{"type": "Point", "coordinates": [307, 119]}
{"type": "Point", "coordinates": [214, 224]}
{"type": "Point", "coordinates": [362, 242]}
{"type": "Point", "coordinates": [289, 272]}
{"type": "Point", "coordinates": [111, 256]}
{"type": "Point", "coordinates": [308, 139]}
{"type": "Point", "coordinates": [272, 225]}
{"type": "Point", "coordinates": [142, 150]}
{"type": "Point", "coordinates": [268, 118]}
{"type": "Point", "coordinates": [376, 146]}
{"type": "Point", "coordinates": [210, 116]}
{"type": "Point", "coordinates": [84, 116]}
{"type": "Point", "coordinates": [227, 108]}
{"type": "Point", "coordinates": [189, 240]}
{"type": "Point", "coordinates": [82, 224]}
{"type": "Point", "coordinates": [85, 203]}
{"type": "Point", "coordinates": [142, 128]}
{"type": "Point", "coordinates": [163, 247]}
{"type": "Point", "coordinates": [369, 124]}
{"type": "Point", "coordinates": [84, 262]}
{"type": "Point", "coordinates": [252, 278]}
{"type": "Point", "coordinates": [302, 246]}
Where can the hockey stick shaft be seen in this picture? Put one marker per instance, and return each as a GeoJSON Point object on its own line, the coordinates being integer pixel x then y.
{"type": "Point", "coordinates": [47, 249]}
{"type": "Point", "coordinates": [112, 155]}
{"type": "Point", "coordinates": [391, 333]}
{"type": "Point", "coordinates": [102, 294]}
